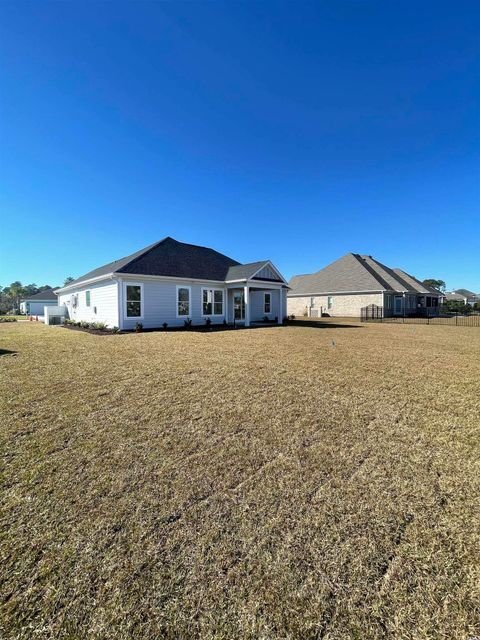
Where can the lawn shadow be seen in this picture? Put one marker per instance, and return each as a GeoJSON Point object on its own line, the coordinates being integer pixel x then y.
{"type": "Point", "coordinates": [318, 324]}
{"type": "Point", "coordinates": [7, 352]}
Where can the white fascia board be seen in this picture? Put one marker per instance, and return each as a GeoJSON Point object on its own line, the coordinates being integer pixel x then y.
{"type": "Point", "coordinates": [264, 284]}
{"type": "Point", "coordinates": [82, 283]}
{"type": "Point", "coordinates": [139, 276]}
{"type": "Point", "coordinates": [338, 293]}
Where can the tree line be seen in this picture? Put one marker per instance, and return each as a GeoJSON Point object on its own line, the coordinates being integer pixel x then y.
{"type": "Point", "coordinates": [13, 294]}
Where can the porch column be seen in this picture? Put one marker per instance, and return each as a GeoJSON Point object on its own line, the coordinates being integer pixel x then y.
{"type": "Point", "coordinates": [280, 304]}
{"type": "Point", "coordinates": [246, 297]}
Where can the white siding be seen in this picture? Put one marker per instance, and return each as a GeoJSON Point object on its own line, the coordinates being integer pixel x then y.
{"type": "Point", "coordinates": [256, 305]}
{"type": "Point", "coordinates": [160, 304]}
{"type": "Point", "coordinates": [103, 303]}
{"type": "Point", "coordinates": [36, 308]}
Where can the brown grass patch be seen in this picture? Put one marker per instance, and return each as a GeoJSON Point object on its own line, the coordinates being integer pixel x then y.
{"type": "Point", "coordinates": [258, 484]}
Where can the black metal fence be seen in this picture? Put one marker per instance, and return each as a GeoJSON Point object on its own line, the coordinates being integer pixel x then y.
{"type": "Point", "coordinates": [375, 313]}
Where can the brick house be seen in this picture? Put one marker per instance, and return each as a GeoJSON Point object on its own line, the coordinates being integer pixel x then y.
{"type": "Point", "coordinates": [355, 281]}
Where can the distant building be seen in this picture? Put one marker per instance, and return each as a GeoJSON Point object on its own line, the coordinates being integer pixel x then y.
{"type": "Point", "coordinates": [34, 305]}
{"type": "Point", "coordinates": [462, 295]}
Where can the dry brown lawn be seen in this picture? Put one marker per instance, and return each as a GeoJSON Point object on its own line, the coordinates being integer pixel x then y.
{"type": "Point", "coordinates": [251, 485]}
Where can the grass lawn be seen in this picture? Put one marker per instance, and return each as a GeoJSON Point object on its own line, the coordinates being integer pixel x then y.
{"type": "Point", "coordinates": [253, 484]}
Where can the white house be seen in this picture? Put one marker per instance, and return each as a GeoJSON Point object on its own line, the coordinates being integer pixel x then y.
{"type": "Point", "coordinates": [173, 282]}
{"type": "Point", "coordinates": [34, 305]}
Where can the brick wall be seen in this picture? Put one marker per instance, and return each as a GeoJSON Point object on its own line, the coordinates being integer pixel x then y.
{"type": "Point", "coordinates": [343, 305]}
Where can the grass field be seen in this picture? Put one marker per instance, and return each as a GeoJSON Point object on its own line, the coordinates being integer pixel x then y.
{"type": "Point", "coordinates": [254, 484]}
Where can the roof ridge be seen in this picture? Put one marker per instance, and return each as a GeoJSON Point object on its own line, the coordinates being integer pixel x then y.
{"type": "Point", "coordinates": [416, 280]}
{"type": "Point", "coordinates": [371, 271]}
{"type": "Point", "coordinates": [393, 274]}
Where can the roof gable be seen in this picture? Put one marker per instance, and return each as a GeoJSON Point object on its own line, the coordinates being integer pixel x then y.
{"type": "Point", "coordinates": [261, 270]}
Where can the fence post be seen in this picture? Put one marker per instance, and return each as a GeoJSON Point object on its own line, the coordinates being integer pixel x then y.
{"type": "Point", "coordinates": [456, 318]}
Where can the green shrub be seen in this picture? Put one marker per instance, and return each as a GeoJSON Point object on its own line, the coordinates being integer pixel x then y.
{"type": "Point", "coordinates": [188, 323]}
{"type": "Point", "coordinates": [208, 321]}
{"type": "Point", "coordinates": [99, 326]}
{"type": "Point", "coordinates": [138, 327]}
{"type": "Point", "coordinates": [115, 329]}
{"type": "Point", "coordinates": [165, 325]}
{"type": "Point", "coordinates": [8, 319]}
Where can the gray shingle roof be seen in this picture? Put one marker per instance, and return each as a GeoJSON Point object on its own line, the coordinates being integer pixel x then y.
{"type": "Point", "coordinates": [454, 296]}
{"type": "Point", "coordinates": [46, 295]}
{"type": "Point", "coordinates": [356, 273]}
{"type": "Point", "coordinates": [244, 271]}
{"type": "Point", "coordinates": [465, 293]}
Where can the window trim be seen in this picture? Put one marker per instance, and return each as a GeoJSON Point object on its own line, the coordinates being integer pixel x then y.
{"type": "Point", "coordinates": [125, 301]}
{"type": "Point", "coordinates": [88, 298]}
{"type": "Point", "coordinates": [189, 314]}
{"type": "Point", "coordinates": [212, 315]}
{"type": "Point", "coordinates": [265, 294]}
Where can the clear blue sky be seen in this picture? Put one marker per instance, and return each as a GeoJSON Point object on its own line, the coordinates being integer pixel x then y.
{"type": "Point", "coordinates": [291, 131]}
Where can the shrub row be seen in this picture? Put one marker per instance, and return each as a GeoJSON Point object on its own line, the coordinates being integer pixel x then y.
{"type": "Point", "coordinates": [8, 319]}
{"type": "Point", "coordinates": [96, 326]}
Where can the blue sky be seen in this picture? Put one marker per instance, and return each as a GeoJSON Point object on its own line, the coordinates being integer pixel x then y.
{"type": "Point", "coordinates": [291, 131]}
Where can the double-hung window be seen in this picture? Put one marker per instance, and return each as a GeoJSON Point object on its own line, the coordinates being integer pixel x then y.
{"type": "Point", "coordinates": [212, 302]}
{"type": "Point", "coordinates": [267, 302]}
{"type": "Point", "coordinates": [87, 298]}
{"type": "Point", "coordinates": [183, 301]}
{"type": "Point", "coordinates": [133, 301]}
{"type": "Point", "coordinates": [329, 302]}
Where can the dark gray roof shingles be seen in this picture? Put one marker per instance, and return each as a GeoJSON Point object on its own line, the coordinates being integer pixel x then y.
{"type": "Point", "coordinates": [169, 258]}
{"type": "Point", "coordinates": [47, 294]}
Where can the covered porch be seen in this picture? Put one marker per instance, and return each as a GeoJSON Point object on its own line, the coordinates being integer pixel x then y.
{"type": "Point", "coordinates": [249, 304]}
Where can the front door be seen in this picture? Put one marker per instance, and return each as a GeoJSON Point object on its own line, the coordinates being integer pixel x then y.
{"type": "Point", "coordinates": [398, 306]}
{"type": "Point", "coordinates": [238, 305]}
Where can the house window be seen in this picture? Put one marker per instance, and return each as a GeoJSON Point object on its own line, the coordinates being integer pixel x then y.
{"type": "Point", "coordinates": [267, 302]}
{"type": "Point", "coordinates": [133, 300]}
{"type": "Point", "coordinates": [329, 302]}
{"type": "Point", "coordinates": [212, 302]}
{"type": "Point", "coordinates": [312, 302]}
{"type": "Point", "coordinates": [87, 298]}
{"type": "Point", "coordinates": [183, 301]}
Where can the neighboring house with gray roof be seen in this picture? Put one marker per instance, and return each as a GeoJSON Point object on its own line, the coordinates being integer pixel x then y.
{"type": "Point", "coordinates": [355, 281]}
{"type": "Point", "coordinates": [172, 281]}
{"type": "Point", "coordinates": [35, 305]}
{"type": "Point", "coordinates": [463, 296]}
